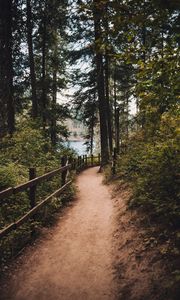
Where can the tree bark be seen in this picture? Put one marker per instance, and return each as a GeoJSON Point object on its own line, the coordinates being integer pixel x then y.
{"type": "Point", "coordinates": [2, 79]}
{"type": "Point", "coordinates": [109, 112]}
{"type": "Point", "coordinates": [107, 72]}
{"type": "Point", "coordinates": [53, 117]}
{"type": "Point", "coordinates": [115, 107]}
{"type": "Point", "coordinates": [31, 60]}
{"type": "Point", "coordinates": [92, 127]}
{"type": "Point", "coordinates": [117, 131]}
{"type": "Point", "coordinates": [144, 43]}
{"type": "Point", "coordinates": [44, 96]}
{"type": "Point", "coordinates": [100, 84]}
{"type": "Point", "coordinates": [8, 68]}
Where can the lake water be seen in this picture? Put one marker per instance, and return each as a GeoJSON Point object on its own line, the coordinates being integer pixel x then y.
{"type": "Point", "coordinates": [78, 146]}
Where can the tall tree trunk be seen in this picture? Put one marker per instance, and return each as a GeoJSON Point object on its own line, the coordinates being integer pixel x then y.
{"type": "Point", "coordinates": [53, 117]}
{"type": "Point", "coordinates": [117, 131]}
{"type": "Point", "coordinates": [92, 135]}
{"type": "Point", "coordinates": [144, 43]}
{"type": "Point", "coordinates": [115, 107]}
{"type": "Point", "coordinates": [2, 76]}
{"type": "Point", "coordinates": [92, 126]}
{"type": "Point", "coordinates": [127, 116]}
{"type": "Point", "coordinates": [8, 68]}
{"type": "Point", "coordinates": [144, 60]}
{"type": "Point", "coordinates": [107, 72]}
{"type": "Point", "coordinates": [109, 112]}
{"type": "Point", "coordinates": [100, 84]}
{"type": "Point", "coordinates": [54, 95]}
{"type": "Point", "coordinates": [31, 60]}
{"type": "Point", "coordinates": [44, 95]}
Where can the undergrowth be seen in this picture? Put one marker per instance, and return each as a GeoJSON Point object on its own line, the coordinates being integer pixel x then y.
{"type": "Point", "coordinates": [150, 168]}
{"type": "Point", "coordinates": [28, 148]}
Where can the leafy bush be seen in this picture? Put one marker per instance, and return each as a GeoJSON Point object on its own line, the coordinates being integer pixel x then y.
{"type": "Point", "coordinates": [28, 148]}
{"type": "Point", "coordinates": [152, 166]}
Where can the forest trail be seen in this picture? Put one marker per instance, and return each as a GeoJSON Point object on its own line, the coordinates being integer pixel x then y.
{"type": "Point", "coordinates": [74, 261]}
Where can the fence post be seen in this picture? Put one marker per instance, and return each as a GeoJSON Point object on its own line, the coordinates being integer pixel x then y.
{"type": "Point", "coordinates": [80, 158]}
{"type": "Point", "coordinates": [32, 198]}
{"type": "Point", "coordinates": [114, 161]}
{"type": "Point", "coordinates": [63, 173]}
{"type": "Point", "coordinates": [75, 164]}
{"type": "Point", "coordinates": [92, 160]}
{"type": "Point", "coordinates": [118, 131]}
{"type": "Point", "coordinates": [32, 189]}
{"type": "Point", "coordinates": [70, 162]}
{"type": "Point", "coordinates": [86, 160]}
{"type": "Point", "coordinates": [99, 159]}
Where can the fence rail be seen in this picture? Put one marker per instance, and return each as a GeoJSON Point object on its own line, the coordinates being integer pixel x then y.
{"type": "Point", "coordinates": [66, 165]}
{"type": "Point", "coordinates": [22, 220]}
{"type": "Point", "coordinates": [14, 190]}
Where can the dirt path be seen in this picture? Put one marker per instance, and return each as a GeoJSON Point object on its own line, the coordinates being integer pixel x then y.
{"type": "Point", "coordinates": [75, 261]}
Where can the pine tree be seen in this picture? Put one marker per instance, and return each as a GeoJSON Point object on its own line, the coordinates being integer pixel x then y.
{"type": "Point", "coordinates": [31, 59]}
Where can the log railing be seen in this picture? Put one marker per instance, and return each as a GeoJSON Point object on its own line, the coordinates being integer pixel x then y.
{"type": "Point", "coordinates": [67, 165]}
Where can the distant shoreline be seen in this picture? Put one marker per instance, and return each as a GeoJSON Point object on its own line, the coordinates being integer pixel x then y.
{"type": "Point", "coordinates": [75, 140]}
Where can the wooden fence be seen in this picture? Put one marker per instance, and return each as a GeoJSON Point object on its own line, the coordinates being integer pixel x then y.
{"type": "Point", "coordinates": [67, 165]}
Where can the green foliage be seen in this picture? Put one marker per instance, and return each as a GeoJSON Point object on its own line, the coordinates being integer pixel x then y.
{"type": "Point", "coordinates": [152, 168]}
{"type": "Point", "coordinates": [28, 148]}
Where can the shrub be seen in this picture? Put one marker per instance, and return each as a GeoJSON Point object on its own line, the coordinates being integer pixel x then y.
{"type": "Point", "coordinates": [152, 166]}
{"type": "Point", "coordinates": [27, 148]}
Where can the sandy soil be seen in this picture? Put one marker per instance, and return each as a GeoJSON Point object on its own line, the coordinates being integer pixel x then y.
{"type": "Point", "coordinates": [140, 267]}
{"type": "Point", "coordinates": [98, 250]}
{"type": "Point", "coordinates": [75, 259]}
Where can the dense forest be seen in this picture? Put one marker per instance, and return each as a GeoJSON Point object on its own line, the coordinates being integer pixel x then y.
{"type": "Point", "coordinates": [121, 58]}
